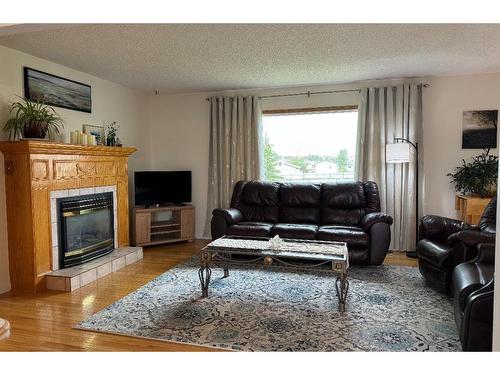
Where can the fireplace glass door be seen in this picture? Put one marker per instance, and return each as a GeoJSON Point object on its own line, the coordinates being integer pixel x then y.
{"type": "Point", "coordinates": [86, 228]}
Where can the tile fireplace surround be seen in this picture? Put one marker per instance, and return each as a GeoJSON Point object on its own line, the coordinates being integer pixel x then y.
{"type": "Point", "coordinates": [36, 173]}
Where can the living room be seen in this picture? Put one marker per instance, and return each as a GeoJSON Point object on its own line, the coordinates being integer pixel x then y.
{"type": "Point", "coordinates": [248, 193]}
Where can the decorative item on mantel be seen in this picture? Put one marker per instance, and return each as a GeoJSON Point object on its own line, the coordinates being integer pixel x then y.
{"type": "Point", "coordinates": [97, 131]}
{"type": "Point", "coordinates": [77, 137]}
{"type": "Point", "coordinates": [33, 120]}
{"type": "Point", "coordinates": [111, 137]}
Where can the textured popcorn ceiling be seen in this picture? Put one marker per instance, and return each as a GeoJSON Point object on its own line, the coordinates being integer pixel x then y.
{"type": "Point", "coordinates": [205, 57]}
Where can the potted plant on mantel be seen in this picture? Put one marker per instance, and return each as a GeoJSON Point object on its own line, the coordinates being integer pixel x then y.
{"type": "Point", "coordinates": [33, 120]}
{"type": "Point", "coordinates": [478, 177]}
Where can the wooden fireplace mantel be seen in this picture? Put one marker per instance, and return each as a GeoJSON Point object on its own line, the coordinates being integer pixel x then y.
{"type": "Point", "coordinates": [32, 170]}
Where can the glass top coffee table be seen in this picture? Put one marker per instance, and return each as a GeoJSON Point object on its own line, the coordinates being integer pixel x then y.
{"type": "Point", "coordinates": [298, 254]}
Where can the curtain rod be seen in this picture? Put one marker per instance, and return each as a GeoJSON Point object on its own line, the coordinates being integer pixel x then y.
{"type": "Point", "coordinates": [309, 93]}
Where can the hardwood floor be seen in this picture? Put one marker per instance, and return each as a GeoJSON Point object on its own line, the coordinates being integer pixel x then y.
{"type": "Point", "coordinates": [43, 322]}
{"type": "Point", "coordinates": [399, 258]}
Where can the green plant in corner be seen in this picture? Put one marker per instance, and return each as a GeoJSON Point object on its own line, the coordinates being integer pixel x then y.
{"type": "Point", "coordinates": [32, 119]}
{"type": "Point", "coordinates": [478, 177]}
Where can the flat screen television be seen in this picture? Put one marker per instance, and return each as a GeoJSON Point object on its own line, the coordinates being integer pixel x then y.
{"type": "Point", "coordinates": [162, 187]}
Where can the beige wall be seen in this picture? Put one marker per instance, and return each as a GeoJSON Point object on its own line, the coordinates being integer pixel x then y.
{"type": "Point", "coordinates": [110, 102]}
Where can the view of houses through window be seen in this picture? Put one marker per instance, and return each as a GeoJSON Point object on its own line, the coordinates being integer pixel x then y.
{"type": "Point", "coordinates": [310, 147]}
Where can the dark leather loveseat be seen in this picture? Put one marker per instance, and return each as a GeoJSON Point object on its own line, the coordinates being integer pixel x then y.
{"type": "Point", "coordinates": [347, 212]}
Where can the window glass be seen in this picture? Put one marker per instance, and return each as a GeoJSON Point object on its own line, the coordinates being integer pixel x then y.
{"type": "Point", "coordinates": [310, 147]}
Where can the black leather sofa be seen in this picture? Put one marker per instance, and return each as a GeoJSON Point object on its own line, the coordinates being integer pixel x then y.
{"type": "Point", "coordinates": [348, 212]}
{"type": "Point", "coordinates": [444, 243]}
{"type": "Point", "coordinates": [473, 301]}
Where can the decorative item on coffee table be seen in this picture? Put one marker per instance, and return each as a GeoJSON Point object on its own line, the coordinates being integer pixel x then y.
{"type": "Point", "coordinates": [4, 329]}
{"type": "Point", "coordinates": [33, 119]}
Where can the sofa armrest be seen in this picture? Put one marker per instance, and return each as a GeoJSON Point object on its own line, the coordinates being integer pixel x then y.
{"type": "Point", "coordinates": [439, 228]}
{"type": "Point", "coordinates": [231, 215]}
{"type": "Point", "coordinates": [486, 253]}
{"type": "Point", "coordinates": [380, 239]}
{"type": "Point", "coordinates": [375, 217]}
{"type": "Point", "coordinates": [470, 238]}
{"type": "Point", "coordinates": [477, 321]}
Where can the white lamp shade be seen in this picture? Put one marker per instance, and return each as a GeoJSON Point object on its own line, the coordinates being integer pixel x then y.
{"type": "Point", "coordinates": [397, 153]}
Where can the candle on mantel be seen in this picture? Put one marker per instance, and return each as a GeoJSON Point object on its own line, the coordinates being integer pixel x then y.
{"type": "Point", "coordinates": [74, 137]}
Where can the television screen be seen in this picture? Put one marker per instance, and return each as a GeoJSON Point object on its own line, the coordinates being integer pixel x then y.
{"type": "Point", "coordinates": [162, 187]}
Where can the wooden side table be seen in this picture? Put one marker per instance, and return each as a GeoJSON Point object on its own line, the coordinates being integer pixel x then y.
{"type": "Point", "coordinates": [4, 329]}
{"type": "Point", "coordinates": [470, 208]}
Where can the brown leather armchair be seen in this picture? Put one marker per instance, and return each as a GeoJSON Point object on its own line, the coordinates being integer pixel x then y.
{"type": "Point", "coordinates": [444, 243]}
{"type": "Point", "coordinates": [473, 301]}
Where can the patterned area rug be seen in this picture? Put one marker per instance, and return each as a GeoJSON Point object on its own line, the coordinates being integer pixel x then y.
{"type": "Point", "coordinates": [388, 309]}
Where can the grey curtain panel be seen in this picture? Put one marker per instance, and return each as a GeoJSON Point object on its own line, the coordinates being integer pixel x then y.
{"type": "Point", "coordinates": [235, 128]}
{"type": "Point", "coordinates": [385, 113]}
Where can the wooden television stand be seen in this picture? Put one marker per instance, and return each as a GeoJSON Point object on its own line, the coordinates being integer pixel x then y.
{"type": "Point", "coordinates": [161, 225]}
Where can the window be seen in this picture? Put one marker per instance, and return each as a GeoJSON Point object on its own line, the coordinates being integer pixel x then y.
{"type": "Point", "coordinates": [316, 145]}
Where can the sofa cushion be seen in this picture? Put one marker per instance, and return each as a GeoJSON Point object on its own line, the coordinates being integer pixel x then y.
{"type": "Point", "coordinates": [343, 203]}
{"type": "Point", "coordinates": [349, 195]}
{"type": "Point", "coordinates": [258, 193]}
{"type": "Point", "coordinates": [255, 213]}
{"type": "Point", "coordinates": [309, 215]}
{"type": "Point", "coordinates": [488, 220]}
{"type": "Point", "coordinates": [260, 201]}
{"type": "Point", "coordinates": [251, 229]}
{"type": "Point", "coordinates": [300, 203]}
{"type": "Point", "coordinates": [433, 252]}
{"type": "Point", "coordinates": [300, 195]}
{"type": "Point", "coordinates": [335, 216]}
{"type": "Point", "coordinates": [355, 237]}
{"type": "Point", "coordinates": [302, 231]}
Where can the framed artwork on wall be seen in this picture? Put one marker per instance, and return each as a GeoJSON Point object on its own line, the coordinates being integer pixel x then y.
{"type": "Point", "coordinates": [97, 131]}
{"type": "Point", "coordinates": [57, 91]}
{"type": "Point", "coordinates": [479, 129]}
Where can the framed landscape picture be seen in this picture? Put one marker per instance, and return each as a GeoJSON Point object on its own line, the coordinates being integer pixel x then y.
{"type": "Point", "coordinates": [97, 131]}
{"type": "Point", "coordinates": [479, 129]}
{"type": "Point", "coordinates": [57, 91]}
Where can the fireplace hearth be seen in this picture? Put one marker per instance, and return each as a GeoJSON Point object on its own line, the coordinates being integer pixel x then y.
{"type": "Point", "coordinates": [86, 228]}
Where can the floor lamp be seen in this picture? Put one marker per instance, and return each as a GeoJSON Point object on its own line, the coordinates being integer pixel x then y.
{"type": "Point", "coordinates": [398, 153]}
